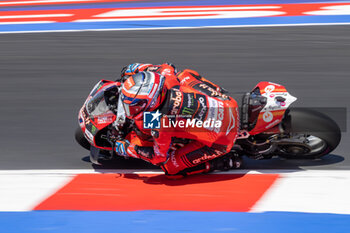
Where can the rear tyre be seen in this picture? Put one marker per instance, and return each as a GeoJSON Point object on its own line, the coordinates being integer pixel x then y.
{"type": "Point", "coordinates": [312, 135]}
{"type": "Point", "coordinates": [80, 138]}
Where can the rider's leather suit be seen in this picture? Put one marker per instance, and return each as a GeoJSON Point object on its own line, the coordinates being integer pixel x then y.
{"type": "Point", "coordinates": [183, 146]}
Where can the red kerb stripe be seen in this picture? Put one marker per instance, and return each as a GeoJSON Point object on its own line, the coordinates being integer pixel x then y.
{"type": "Point", "coordinates": [129, 192]}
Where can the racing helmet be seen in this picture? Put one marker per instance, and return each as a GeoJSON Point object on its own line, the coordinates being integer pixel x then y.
{"type": "Point", "coordinates": [144, 91]}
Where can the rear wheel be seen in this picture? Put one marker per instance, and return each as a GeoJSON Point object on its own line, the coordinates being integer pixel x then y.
{"type": "Point", "coordinates": [311, 135]}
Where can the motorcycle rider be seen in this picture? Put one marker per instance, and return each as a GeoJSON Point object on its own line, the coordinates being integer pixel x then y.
{"type": "Point", "coordinates": [205, 148]}
{"type": "Point", "coordinates": [173, 77]}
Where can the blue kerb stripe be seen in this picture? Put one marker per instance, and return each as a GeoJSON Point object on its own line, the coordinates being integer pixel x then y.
{"type": "Point", "coordinates": [161, 4]}
{"type": "Point", "coordinates": [178, 23]}
{"type": "Point", "coordinates": [172, 221]}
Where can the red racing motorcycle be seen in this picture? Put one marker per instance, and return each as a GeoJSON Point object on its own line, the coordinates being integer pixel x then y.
{"type": "Point", "coordinates": [268, 126]}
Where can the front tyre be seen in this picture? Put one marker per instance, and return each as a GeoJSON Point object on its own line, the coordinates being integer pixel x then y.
{"type": "Point", "coordinates": [311, 135]}
{"type": "Point", "coordinates": [80, 138]}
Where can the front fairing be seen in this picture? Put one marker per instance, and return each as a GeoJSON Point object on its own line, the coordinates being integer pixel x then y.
{"type": "Point", "coordinates": [95, 114]}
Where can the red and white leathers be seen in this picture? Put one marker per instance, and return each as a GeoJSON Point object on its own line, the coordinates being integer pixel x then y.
{"type": "Point", "coordinates": [181, 149]}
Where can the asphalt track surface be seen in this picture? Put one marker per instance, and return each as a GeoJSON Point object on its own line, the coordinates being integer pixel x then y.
{"type": "Point", "coordinates": [45, 77]}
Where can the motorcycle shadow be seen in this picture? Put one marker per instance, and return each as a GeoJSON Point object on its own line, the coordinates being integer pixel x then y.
{"type": "Point", "coordinates": [161, 179]}
{"type": "Point", "coordinates": [275, 165]}
{"type": "Point", "coordinates": [278, 163]}
{"type": "Point", "coordinates": [156, 179]}
{"type": "Point", "coordinates": [122, 163]}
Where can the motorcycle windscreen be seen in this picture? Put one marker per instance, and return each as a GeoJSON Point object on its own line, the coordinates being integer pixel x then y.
{"type": "Point", "coordinates": [97, 105]}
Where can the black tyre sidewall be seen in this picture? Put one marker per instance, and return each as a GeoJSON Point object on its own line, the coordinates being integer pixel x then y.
{"type": "Point", "coordinates": [80, 138]}
{"type": "Point", "coordinates": [308, 121]}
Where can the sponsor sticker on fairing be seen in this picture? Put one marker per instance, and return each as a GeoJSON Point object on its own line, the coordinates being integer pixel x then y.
{"type": "Point", "coordinates": [269, 88]}
{"type": "Point", "coordinates": [105, 119]}
{"type": "Point", "coordinates": [267, 116]}
{"type": "Point", "coordinates": [89, 136]}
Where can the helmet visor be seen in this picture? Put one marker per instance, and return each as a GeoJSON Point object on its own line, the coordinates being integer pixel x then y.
{"type": "Point", "coordinates": [135, 107]}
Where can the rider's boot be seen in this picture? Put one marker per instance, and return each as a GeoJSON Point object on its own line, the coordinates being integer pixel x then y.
{"type": "Point", "coordinates": [201, 168]}
{"type": "Point", "coordinates": [229, 161]}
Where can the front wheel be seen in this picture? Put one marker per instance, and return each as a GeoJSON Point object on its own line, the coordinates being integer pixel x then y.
{"type": "Point", "coordinates": [82, 141]}
{"type": "Point", "coordinates": [311, 135]}
{"type": "Point", "coordinates": [79, 137]}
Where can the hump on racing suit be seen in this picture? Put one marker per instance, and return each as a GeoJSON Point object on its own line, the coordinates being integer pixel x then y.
{"type": "Point", "coordinates": [191, 78]}
{"type": "Point", "coordinates": [186, 77]}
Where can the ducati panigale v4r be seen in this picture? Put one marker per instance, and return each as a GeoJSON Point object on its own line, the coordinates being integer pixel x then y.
{"type": "Point", "coordinates": [268, 126]}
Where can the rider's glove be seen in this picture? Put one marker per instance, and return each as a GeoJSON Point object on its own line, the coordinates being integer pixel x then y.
{"type": "Point", "coordinates": [121, 147]}
{"type": "Point", "coordinates": [129, 70]}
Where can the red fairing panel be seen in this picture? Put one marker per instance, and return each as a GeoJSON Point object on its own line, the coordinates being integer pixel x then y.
{"type": "Point", "coordinates": [278, 100]}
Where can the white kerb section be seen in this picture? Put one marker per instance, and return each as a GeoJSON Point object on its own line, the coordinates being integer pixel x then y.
{"type": "Point", "coordinates": [308, 191]}
{"type": "Point", "coordinates": [313, 191]}
{"type": "Point", "coordinates": [22, 192]}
